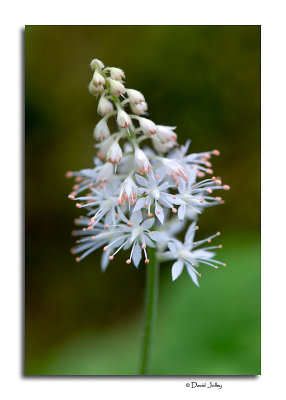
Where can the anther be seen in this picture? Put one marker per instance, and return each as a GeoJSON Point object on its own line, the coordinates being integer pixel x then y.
{"type": "Point", "coordinates": [77, 259]}
{"type": "Point", "coordinates": [157, 176]}
{"type": "Point", "coordinates": [71, 196]}
{"type": "Point", "coordinates": [106, 226]}
{"type": "Point", "coordinates": [78, 205]}
{"type": "Point", "coordinates": [111, 258]}
{"type": "Point", "coordinates": [197, 227]}
{"type": "Point", "coordinates": [209, 171]}
{"type": "Point", "coordinates": [226, 187]}
{"type": "Point", "coordinates": [174, 210]}
{"type": "Point", "coordinates": [216, 267]}
{"type": "Point", "coordinates": [128, 223]}
{"type": "Point", "coordinates": [202, 200]}
{"type": "Point", "coordinates": [218, 182]}
{"type": "Point", "coordinates": [209, 190]}
{"type": "Point", "coordinates": [218, 233]}
{"type": "Point", "coordinates": [149, 215]}
{"type": "Point", "coordinates": [69, 174]}
{"type": "Point", "coordinates": [216, 152]}
{"type": "Point", "coordinates": [105, 248]}
{"type": "Point", "coordinates": [220, 246]}
{"type": "Point", "coordinates": [143, 246]}
{"type": "Point", "coordinates": [147, 261]}
{"type": "Point", "coordinates": [158, 212]}
{"type": "Point", "coordinates": [145, 205]}
{"type": "Point", "coordinates": [128, 261]}
{"type": "Point", "coordinates": [93, 237]}
{"type": "Point", "coordinates": [199, 275]}
{"type": "Point", "coordinates": [213, 178]}
{"type": "Point", "coordinates": [209, 240]}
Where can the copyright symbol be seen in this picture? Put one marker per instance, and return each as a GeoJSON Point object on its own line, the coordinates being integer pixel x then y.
{"type": "Point", "coordinates": [188, 385]}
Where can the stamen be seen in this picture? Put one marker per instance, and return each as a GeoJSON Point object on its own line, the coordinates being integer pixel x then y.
{"type": "Point", "coordinates": [128, 261]}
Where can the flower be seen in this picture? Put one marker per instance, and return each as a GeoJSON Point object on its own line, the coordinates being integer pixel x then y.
{"type": "Point", "coordinates": [187, 255]}
{"type": "Point", "coordinates": [116, 73]}
{"type": "Point", "coordinates": [148, 127]}
{"type": "Point", "coordinates": [139, 109]}
{"type": "Point", "coordinates": [104, 106]}
{"type": "Point", "coordinates": [128, 191]}
{"type": "Point", "coordinates": [98, 79]}
{"type": "Point", "coordinates": [101, 130]}
{"type": "Point", "coordinates": [141, 161]}
{"type": "Point", "coordinates": [116, 87]}
{"type": "Point", "coordinates": [126, 210]}
{"type": "Point", "coordinates": [166, 134]}
{"type": "Point", "coordinates": [114, 154]}
{"type": "Point", "coordinates": [123, 119]}
{"type": "Point", "coordinates": [153, 191]}
{"type": "Point", "coordinates": [95, 63]}
{"type": "Point", "coordinates": [135, 234]}
{"type": "Point", "coordinates": [135, 97]}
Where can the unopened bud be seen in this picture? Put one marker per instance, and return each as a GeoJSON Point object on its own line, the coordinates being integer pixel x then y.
{"type": "Point", "coordinates": [101, 130]}
{"type": "Point", "coordinates": [148, 127]}
{"type": "Point", "coordinates": [123, 119]}
{"type": "Point", "coordinates": [116, 73]}
{"type": "Point", "coordinates": [104, 106]}
{"type": "Point", "coordinates": [114, 154]}
{"type": "Point", "coordinates": [116, 87]}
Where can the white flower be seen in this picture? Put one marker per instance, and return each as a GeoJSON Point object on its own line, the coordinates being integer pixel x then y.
{"type": "Point", "coordinates": [95, 63]}
{"type": "Point", "coordinates": [116, 73]}
{"type": "Point", "coordinates": [123, 119]}
{"type": "Point", "coordinates": [95, 90]}
{"type": "Point", "coordinates": [135, 234]}
{"type": "Point", "coordinates": [104, 172]}
{"type": "Point", "coordinates": [174, 168]}
{"type": "Point", "coordinates": [116, 87]}
{"type": "Point", "coordinates": [135, 97]}
{"type": "Point", "coordinates": [128, 191]}
{"type": "Point", "coordinates": [148, 127]}
{"type": "Point", "coordinates": [187, 255]}
{"type": "Point", "coordinates": [160, 146]}
{"type": "Point", "coordinates": [141, 161]}
{"type": "Point", "coordinates": [98, 79]}
{"type": "Point", "coordinates": [166, 134]}
{"type": "Point", "coordinates": [104, 106]}
{"type": "Point", "coordinates": [139, 109]}
{"type": "Point", "coordinates": [114, 154]}
{"type": "Point", "coordinates": [152, 190]}
{"type": "Point", "coordinates": [101, 130]}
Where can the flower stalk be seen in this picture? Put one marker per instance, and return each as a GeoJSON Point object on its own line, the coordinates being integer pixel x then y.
{"type": "Point", "coordinates": [151, 305]}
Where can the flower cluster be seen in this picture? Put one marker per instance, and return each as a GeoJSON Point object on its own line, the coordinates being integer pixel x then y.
{"type": "Point", "coordinates": [144, 188]}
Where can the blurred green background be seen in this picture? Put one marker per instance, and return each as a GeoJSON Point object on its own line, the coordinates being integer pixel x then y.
{"type": "Point", "coordinates": [79, 321]}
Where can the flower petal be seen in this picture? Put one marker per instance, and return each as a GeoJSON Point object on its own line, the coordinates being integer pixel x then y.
{"type": "Point", "coordinates": [193, 275]}
{"type": "Point", "coordinates": [142, 181]}
{"type": "Point", "coordinates": [136, 218]}
{"type": "Point", "coordinates": [159, 212]}
{"type": "Point", "coordinates": [177, 269]}
{"type": "Point", "coordinates": [137, 255]}
{"type": "Point", "coordinates": [139, 204]}
{"type": "Point", "coordinates": [147, 223]}
{"type": "Point", "coordinates": [181, 211]}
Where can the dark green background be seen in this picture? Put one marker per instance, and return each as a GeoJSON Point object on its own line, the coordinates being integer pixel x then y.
{"type": "Point", "coordinates": [206, 81]}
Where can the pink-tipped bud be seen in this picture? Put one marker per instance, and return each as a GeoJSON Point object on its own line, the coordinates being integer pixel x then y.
{"type": "Point", "coordinates": [68, 174]}
{"type": "Point", "coordinates": [216, 152]}
{"type": "Point", "coordinates": [143, 246]}
{"type": "Point", "coordinates": [128, 261]}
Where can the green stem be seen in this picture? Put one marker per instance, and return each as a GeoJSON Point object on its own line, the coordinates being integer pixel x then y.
{"type": "Point", "coordinates": [151, 300]}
